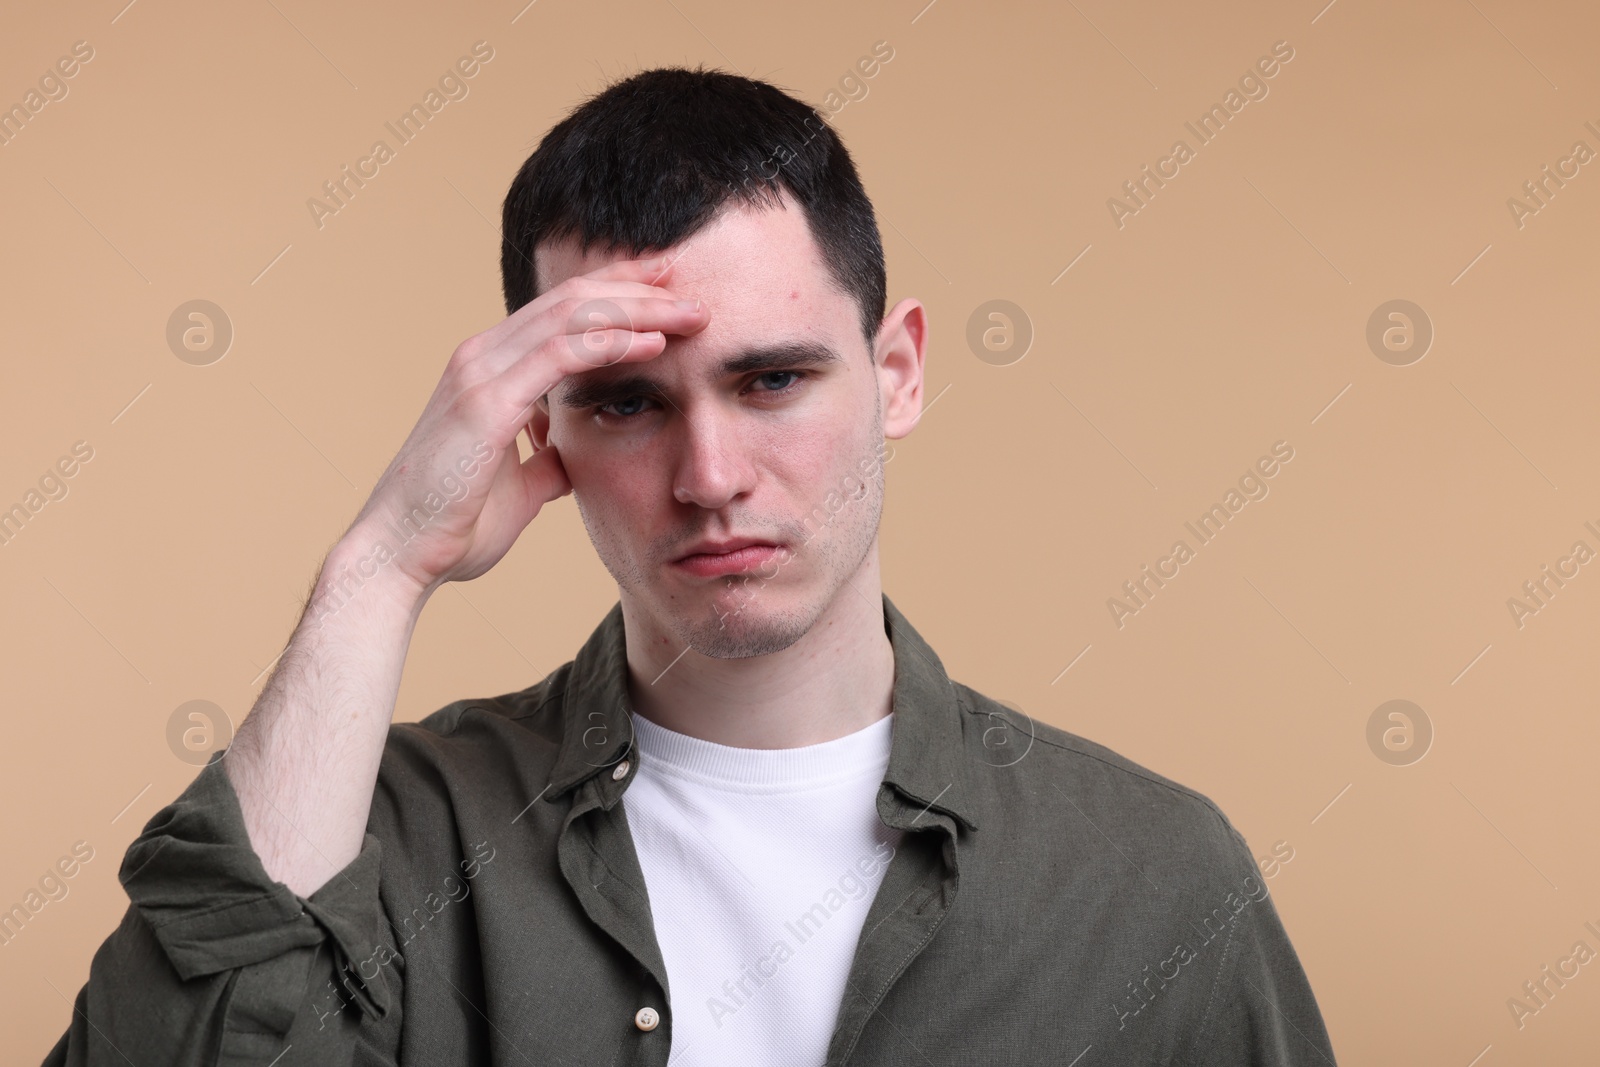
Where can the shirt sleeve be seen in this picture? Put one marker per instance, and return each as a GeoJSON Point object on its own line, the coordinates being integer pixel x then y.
{"type": "Point", "coordinates": [1261, 1010]}
{"type": "Point", "coordinates": [216, 963]}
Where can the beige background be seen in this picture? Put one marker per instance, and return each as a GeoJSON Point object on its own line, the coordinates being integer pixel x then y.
{"type": "Point", "coordinates": [1228, 314]}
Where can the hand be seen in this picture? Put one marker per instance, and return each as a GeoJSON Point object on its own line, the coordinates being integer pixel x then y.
{"type": "Point", "coordinates": [457, 491]}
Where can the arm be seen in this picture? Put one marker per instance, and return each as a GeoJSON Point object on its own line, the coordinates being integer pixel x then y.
{"type": "Point", "coordinates": [305, 760]}
{"type": "Point", "coordinates": [448, 507]}
{"type": "Point", "coordinates": [1261, 1010]}
{"type": "Point", "coordinates": [255, 927]}
{"type": "Point", "coordinates": [216, 963]}
{"type": "Point", "coordinates": [237, 945]}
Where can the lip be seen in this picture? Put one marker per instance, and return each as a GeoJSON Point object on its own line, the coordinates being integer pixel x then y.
{"type": "Point", "coordinates": [710, 559]}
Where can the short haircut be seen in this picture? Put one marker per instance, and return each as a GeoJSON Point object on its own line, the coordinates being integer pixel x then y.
{"type": "Point", "coordinates": [651, 159]}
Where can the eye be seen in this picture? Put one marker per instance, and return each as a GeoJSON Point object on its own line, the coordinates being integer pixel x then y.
{"type": "Point", "coordinates": [628, 404]}
{"type": "Point", "coordinates": [769, 377]}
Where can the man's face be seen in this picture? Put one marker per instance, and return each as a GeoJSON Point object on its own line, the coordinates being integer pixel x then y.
{"type": "Point", "coordinates": [789, 453]}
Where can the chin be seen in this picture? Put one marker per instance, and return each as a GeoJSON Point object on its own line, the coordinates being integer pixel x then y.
{"type": "Point", "coordinates": [731, 627]}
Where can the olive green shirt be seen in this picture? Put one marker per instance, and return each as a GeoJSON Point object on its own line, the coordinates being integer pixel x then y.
{"type": "Point", "coordinates": [1051, 903]}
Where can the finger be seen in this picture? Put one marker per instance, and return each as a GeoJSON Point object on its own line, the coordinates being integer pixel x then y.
{"type": "Point", "coordinates": [581, 317]}
{"type": "Point", "coordinates": [589, 339]}
{"type": "Point", "coordinates": [645, 277]}
{"type": "Point", "coordinates": [650, 268]}
{"type": "Point", "coordinates": [533, 377]}
{"type": "Point", "coordinates": [647, 270]}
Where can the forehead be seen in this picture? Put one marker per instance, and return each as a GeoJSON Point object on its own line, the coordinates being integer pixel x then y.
{"type": "Point", "coordinates": [760, 273]}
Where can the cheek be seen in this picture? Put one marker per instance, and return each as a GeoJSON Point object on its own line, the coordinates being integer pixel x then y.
{"type": "Point", "coordinates": [816, 457]}
{"type": "Point", "coordinates": [617, 483]}
{"type": "Point", "coordinates": [602, 470]}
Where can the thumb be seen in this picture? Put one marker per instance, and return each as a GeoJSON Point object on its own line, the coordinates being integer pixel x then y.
{"type": "Point", "coordinates": [544, 476]}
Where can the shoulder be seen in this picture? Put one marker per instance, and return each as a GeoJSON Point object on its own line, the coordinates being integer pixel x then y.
{"type": "Point", "coordinates": [1074, 791]}
{"type": "Point", "coordinates": [476, 748]}
{"type": "Point", "coordinates": [534, 711]}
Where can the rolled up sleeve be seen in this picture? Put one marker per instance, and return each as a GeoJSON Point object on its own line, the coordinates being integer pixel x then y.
{"type": "Point", "coordinates": [216, 963]}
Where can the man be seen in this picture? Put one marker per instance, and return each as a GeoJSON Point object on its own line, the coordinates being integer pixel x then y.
{"type": "Point", "coordinates": [752, 821]}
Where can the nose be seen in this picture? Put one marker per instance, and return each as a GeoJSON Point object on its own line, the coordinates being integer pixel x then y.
{"type": "Point", "coordinates": [713, 465]}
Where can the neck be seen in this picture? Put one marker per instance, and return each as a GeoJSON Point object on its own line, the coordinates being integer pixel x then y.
{"type": "Point", "coordinates": [836, 679]}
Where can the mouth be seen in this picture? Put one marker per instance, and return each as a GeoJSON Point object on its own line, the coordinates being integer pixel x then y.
{"type": "Point", "coordinates": [710, 559]}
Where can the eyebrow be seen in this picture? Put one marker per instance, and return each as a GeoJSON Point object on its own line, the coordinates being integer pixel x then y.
{"type": "Point", "coordinates": [583, 391]}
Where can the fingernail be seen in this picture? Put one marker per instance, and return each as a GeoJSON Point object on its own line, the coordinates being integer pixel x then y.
{"type": "Point", "coordinates": [690, 305]}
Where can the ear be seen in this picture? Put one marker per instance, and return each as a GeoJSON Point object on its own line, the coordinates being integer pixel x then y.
{"type": "Point", "coordinates": [539, 425]}
{"type": "Point", "coordinates": [901, 346]}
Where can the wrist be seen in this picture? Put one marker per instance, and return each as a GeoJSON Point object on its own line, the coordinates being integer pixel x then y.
{"type": "Point", "coordinates": [360, 574]}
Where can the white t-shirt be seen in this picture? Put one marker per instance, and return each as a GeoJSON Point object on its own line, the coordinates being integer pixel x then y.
{"type": "Point", "coordinates": [760, 865]}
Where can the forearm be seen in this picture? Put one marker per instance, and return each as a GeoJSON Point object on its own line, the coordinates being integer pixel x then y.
{"type": "Point", "coordinates": [305, 761]}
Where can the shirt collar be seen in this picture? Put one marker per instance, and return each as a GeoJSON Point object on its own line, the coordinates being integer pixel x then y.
{"type": "Point", "coordinates": [927, 761]}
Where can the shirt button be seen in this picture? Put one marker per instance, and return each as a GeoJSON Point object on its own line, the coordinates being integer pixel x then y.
{"type": "Point", "coordinates": [618, 773]}
{"type": "Point", "coordinates": [646, 1019]}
